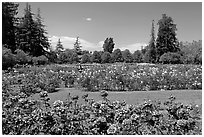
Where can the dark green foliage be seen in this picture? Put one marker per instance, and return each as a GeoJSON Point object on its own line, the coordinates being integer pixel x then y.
{"type": "Point", "coordinates": [191, 52]}
{"type": "Point", "coordinates": [137, 57]}
{"type": "Point", "coordinates": [127, 56]}
{"type": "Point", "coordinates": [106, 57]}
{"type": "Point", "coordinates": [22, 57]}
{"type": "Point", "coordinates": [117, 56]}
{"type": "Point", "coordinates": [9, 11]}
{"type": "Point", "coordinates": [166, 36]}
{"type": "Point", "coordinates": [85, 58]}
{"type": "Point", "coordinates": [170, 58]}
{"type": "Point", "coordinates": [77, 47]}
{"type": "Point", "coordinates": [8, 59]}
{"type": "Point", "coordinates": [41, 38]}
{"type": "Point", "coordinates": [31, 34]}
{"type": "Point", "coordinates": [52, 57]}
{"type": "Point", "coordinates": [150, 55]}
{"type": "Point", "coordinates": [96, 57]}
{"type": "Point", "coordinates": [68, 56]}
{"type": "Point", "coordinates": [40, 60]}
{"type": "Point", "coordinates": [108, 45]}
{"type": "Point", "coordinates": [59, 47]}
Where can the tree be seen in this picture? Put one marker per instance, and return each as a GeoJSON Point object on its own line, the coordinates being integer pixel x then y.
{"type": "Point", "coordinates": [170, 58]}
{"type": "Point", "coordinates": [68, 56]}
{"type": "Point", "coordinates": [41, 38]}
{"type": "Point", "coordinates": [106, 57]}
{"type": "Point", "coordinates": [9, 22]}
{"type": "Point", "coordinates": [191, 52]}
{"type": "Point", "coordinates": [127, 56]}
{"type": "Point", "coordinates": [137, 56]}
{"type": "Point", "coordinates": [166, 37]}
{"type": "Point", "coordinates": [85, 58]}
{"type": "Point", "coordinates": [96, 57]}
{"type": "Point", "coordinates": [108, 45]}
{"type": "Point", "coordinates": [31, 34]}
{"type": "Point", "coordinates": [117, 56]}
{"type": "Point", "coordinates": [59, 47]}
{"type": "Point", "coordinates": [150, 55]}
{"type": "Point", "coordinates": [8, 59]}
{"type": "Point", "coordinates": [77, 46]}
{"type": "Point", "coordinates": [21, 57]}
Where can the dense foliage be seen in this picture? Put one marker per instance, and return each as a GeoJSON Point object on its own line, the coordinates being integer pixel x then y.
{"type": "Point", "coordinates": [166, 36]}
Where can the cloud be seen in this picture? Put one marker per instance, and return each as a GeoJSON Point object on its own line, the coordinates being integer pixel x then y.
{"type": "Point", "coordinates": [133, 47]}
{"type": "Point", "coordinates": [68, 42]}
{"type": "Point", "coordinates": [88, 19]}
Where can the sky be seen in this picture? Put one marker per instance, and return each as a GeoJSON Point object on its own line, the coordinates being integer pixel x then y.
{"type": "Point", "coordinates": [128, 23]}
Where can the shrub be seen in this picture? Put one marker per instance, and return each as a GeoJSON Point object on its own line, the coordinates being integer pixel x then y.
{"type": "Point", "coordinates": [40, 60]}
{"type": "Point", "coordinates": [106, 57]}
{"type": "Point", "coordinates": [68, 56]}
{"type": "Point", "coordinates": [85, 58]}
{"type": "Point", "coordinates": [21, 57]}
{"type": "Point", "coordinates": [170, 58]}
{"type": "Point", "coordinates": [8, 59]}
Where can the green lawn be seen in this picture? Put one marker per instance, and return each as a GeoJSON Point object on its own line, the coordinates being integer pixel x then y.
{"type": "Point", "coordinates": [184, 96]}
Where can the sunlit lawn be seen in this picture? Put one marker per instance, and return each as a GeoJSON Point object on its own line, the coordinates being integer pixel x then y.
{"type": "Point", "coordinates": [183, 96]}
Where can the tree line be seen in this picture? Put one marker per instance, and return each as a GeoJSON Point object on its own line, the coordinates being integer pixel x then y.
{"type": "Point", "coordinates": [25, 41]}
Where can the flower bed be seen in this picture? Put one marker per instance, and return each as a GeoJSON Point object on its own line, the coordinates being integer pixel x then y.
{"type": "Point", "coordinates": [21, 115]}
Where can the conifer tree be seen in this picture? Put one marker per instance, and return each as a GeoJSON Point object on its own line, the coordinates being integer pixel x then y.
{"type": "Point", "coordinates": [41, 38]}
{"type": "Point", "coordinates": [150, 55]}
{"type": "Point", "coordinates": [59, 47]}
{"type": "Point", "coordinates": [77, 46]}
{"type": "Point", "coordinates": [166, 36]}
{"type": "Point", "coordinates": [9, 22]}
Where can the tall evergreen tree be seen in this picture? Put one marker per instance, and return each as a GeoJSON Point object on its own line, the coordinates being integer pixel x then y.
{"type": "Point", "coordinates": [27, 31]}
{"type": "Point", "coordinates": [108, 45]}
{"type": "Point", "coordinates": [59, 47]}
{"type": "Point", "coordinates": [77, 46]}
{"type": "Point", "coordinates": [150, 55]}
{"type": "Point", "coordinates": [41, 38]}
{"type": "Point", "coordinates": [9, 10]}
{"type": "Point", "coordinates": [166, 37]}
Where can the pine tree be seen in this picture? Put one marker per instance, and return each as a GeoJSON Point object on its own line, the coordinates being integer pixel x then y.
{"type": "Point", "coordinates": [9, 10]}
{"type": "Point", "coordinates": [77, 46]}
{"type": "Point", "coordinates": [27, 32]}
{"type": "Point", "coordinates": [41, 38]}
{"type": "Point", "coordinates": [59, 47]}
{"type": "Point", "coordinates": [166, 37]}
{"type": "Point", "coordinates": [150, 55]}
{"type": "Point", "coordinates": [108, 45]}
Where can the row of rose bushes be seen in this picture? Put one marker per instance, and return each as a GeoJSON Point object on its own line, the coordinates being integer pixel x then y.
{"type": "Point", "coordinates": [106, 77]}
{"type": "Point", "coordinates": [24, 116]}
{"type": "Point", "coordinates": [142, 77]}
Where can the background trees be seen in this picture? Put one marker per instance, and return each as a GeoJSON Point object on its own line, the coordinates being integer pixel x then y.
{"type": "Point", "coordinates": [25, 38]}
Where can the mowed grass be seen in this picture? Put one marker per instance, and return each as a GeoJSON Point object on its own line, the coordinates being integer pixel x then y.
{"type": "Point", "coordinates": [133, 97]}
